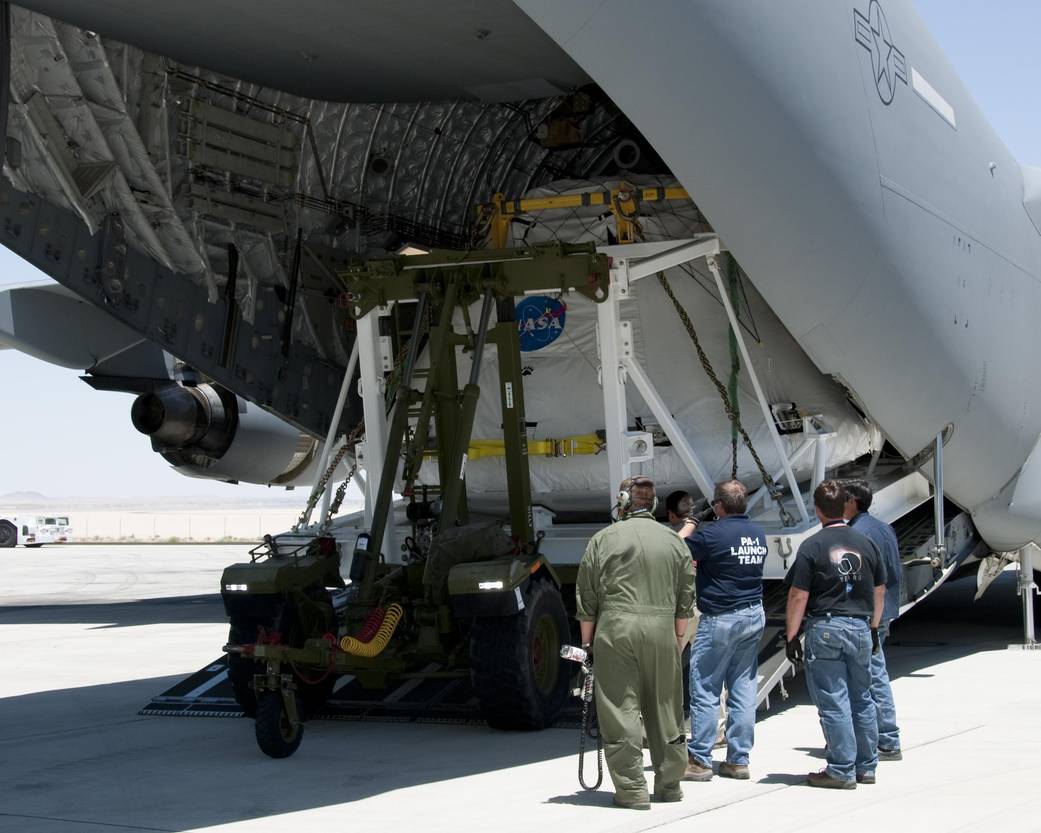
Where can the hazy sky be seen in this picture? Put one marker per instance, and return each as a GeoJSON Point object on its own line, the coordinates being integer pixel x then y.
{"type": "Point", "coordinates": [60, 437]}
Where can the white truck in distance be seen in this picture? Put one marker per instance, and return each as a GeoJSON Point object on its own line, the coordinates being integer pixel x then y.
{"type": "Point", "coordinates": [34, 530]}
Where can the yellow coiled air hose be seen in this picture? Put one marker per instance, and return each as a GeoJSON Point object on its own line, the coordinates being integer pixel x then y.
{"type": "Point", "coordinates": [374, 647]}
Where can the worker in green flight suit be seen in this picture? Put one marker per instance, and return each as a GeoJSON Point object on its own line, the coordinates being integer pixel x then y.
{"type": "Point", "coordinates": [635, 594]}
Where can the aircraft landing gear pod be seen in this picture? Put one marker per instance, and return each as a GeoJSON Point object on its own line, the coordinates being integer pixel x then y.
{"type": "Point", "coordinates": [470, 599]}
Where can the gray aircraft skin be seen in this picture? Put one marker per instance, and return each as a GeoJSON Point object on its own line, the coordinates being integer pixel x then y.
{"type": "Point", "coordinates": [888, 232]}
{"type": "Point", "coordinates": [829, 142]}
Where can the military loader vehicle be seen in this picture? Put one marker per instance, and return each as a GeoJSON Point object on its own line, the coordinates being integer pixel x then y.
{"type": "Point", "coordinates": [468, 597]}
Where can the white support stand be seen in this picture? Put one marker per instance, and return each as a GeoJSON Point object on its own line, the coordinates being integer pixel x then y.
{"type": "Point", "coordinates": [1027, 589]}
{"type": "Point", "coordinates": [330, 440]}
{"type": "Point", "coordinates": [793, 485]}
{"type": "Point", "coordinates": [374, 357]}
{"type": "Point", "coordinates": [762, 493]}
{"type": "Point", "coordinates": [820, 460]}
{"type": "Point", "coordinates": [661, 412]}
{"type": "Point", "coordinates": [616, 418]}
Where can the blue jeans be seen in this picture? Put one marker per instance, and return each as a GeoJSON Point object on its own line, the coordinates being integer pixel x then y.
{"type": "Point", "coordinates": [726, 652]}
{"type": "Point", "coordinates": [838, 674]}
{"type": "Point", "coordinates": [882, 694]}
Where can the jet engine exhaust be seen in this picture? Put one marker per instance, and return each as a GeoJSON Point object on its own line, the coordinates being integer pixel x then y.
{"type": "Point", "coordinates": [176, 417]}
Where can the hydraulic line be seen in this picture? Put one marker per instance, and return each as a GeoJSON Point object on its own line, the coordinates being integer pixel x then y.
{"type": "Point", "coordinates": [371, 626]}
{"type": "Point", "coordinates": [357, 648]}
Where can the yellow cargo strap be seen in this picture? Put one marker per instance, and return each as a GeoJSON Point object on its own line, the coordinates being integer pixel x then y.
{"type": "Point", "coordinates": [563, 447]}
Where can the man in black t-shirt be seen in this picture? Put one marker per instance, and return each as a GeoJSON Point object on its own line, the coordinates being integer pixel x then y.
{"type": "Point", "coordinates": [838, 583]}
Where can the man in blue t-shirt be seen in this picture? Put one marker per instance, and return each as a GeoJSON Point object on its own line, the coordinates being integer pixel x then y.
{"type": "Point", "coordinates": [729, 554]}
{"type": "Point", "coordinates": [881, 534]}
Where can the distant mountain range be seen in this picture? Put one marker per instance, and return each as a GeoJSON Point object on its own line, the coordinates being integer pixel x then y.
{"type": "Point", "coordinates": [24, 497]}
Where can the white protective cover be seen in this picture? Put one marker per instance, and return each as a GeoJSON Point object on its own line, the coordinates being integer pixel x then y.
{"type": "Point", "coordinates": [563, 397]}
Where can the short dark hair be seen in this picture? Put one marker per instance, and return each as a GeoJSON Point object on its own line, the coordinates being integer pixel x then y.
{"type": "Point", "coordinates": [859, 491]}
{"type": "Point", "coordinates": [672, 502]}
{"type": "Point", "coordinates": [733, 495]}
{"type": "Point", "coordinates": [830, 498]}
{"type": "Point", "coordinates": [641, 492]}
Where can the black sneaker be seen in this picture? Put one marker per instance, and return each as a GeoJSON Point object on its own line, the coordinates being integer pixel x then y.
{"type": "Point", "coordinates": [865, 778]}
{"type": "Point", "coordinates": [890, 754]}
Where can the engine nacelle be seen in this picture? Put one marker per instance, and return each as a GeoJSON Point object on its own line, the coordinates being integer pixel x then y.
{"type": "Point", "coordinates": [207, 431]}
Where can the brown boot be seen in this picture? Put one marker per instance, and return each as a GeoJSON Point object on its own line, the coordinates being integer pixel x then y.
{"type": "Point", "coordinates": [823, 779]}
{"type": "Point", "coordinates": [695, 771]}
{"type": "Point", "coordinates": [729, 770]}
{"type": "Point", "coordinates": [668, 793]}
{"type": "Point", "coordinates": [632, 803]}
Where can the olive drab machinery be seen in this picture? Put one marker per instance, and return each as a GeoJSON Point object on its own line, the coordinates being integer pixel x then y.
{"type": "Point", "coordinates": [474, 598]}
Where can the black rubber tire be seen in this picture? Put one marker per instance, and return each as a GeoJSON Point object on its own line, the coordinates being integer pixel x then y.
{"type": "Point", "coordinates": [275, 737]}
{"type": "Point", "coordinates": [312, 695]}
{"type": "Point", "coordinates": [8, 534]}
{"type": "Point", "coordinates": [516, 670]}
{"type": "Point", "coordinates": [32, 546]}
{"type": "Point", "coordinates": [241, 671]}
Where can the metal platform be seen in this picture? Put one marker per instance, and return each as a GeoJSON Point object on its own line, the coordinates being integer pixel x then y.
{"type": "Point", "coordinates": [207, 693]}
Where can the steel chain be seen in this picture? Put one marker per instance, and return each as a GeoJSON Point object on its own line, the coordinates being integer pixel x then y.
{"type": "Point", "coordinates": [323, 481]}
{"type": "Point", "coordinates": [735, 420]}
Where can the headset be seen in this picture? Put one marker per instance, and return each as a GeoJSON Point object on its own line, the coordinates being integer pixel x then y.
{"type": "Point", "coordinates": [625, 496]}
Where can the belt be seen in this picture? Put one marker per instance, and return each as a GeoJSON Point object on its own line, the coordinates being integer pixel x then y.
{"type": "Point", "coordinates": [745, 606]}
{"type": "Point", "coordinates": [638, 610]}
{"type": "Point", "coordinates": [829, 616]}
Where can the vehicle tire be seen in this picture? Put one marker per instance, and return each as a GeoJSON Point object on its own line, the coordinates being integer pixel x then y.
{"type": "Point", "coordinates": [8, 534]}
{"type": "Point", "coordinates": [241, 670]}
{"type": "Point", "coordinates": [275, 736]}
{"type": "Point", "coordinates": [32, 546]}
{"type": "Point", "coordinates": [312, 688]}
{"type": "Point", "coordinates": [312, 692]}
{"type": "Point", "coordinates": [516, 670]}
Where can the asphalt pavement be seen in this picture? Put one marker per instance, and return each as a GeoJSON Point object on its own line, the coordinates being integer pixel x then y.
{"type": "Point", "coordinates": [90, 633]}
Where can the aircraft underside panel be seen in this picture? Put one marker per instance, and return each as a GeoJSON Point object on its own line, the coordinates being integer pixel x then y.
{"type": "Point", "coordinates": [169, 310]}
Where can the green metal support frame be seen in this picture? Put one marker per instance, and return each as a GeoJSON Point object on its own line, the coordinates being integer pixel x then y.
{"type": "Point", "coordinates": [446, 280]}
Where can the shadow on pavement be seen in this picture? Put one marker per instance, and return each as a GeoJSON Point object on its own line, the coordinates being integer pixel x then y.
{"type": "Point", "coordinates": [200, 609]}
{"type": "Point", "coordinates": [600, 798]}
{"type": "Point", "coordinates": [786, 778]}
{"type": "Point", "coordinates": [944, 627]}
{"type": "Point", "coordinates": [82, 755]}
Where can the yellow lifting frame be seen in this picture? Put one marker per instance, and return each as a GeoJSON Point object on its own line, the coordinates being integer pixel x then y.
{"type": "Point", "coordinates": [623, 201]}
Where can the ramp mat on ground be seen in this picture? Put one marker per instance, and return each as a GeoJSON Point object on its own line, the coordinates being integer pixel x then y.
{"type": "Point", "coordinates": [207, 693]}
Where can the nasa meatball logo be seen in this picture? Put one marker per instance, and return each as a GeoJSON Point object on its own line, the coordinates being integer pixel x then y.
{"type": "Point", "coordinates": [887, 62]}
{"type": "Point", "coordinates": [540, 321]}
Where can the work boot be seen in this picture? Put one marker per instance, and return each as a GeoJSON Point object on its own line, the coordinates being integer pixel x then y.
{"type": "Point", "coordinates": [696, 771]}
{"type": "Point", "coordinates": [823, 779]}
{"type": "Point", "coordinates": [668, 793]}
{"type": "Point", "coordinates": [865, 778]}
{"type": "Point", "coordinates": [890, 754]}
{"type": "Point", "coordinates": [632, 803]}
{"type": "Point", "coordinates": [737, 771]}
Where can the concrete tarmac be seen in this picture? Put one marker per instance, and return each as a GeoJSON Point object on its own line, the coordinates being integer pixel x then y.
{"type": "Point", "coordinates": [88, 634]}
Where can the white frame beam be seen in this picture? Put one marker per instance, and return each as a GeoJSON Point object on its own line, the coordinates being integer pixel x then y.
{"type": "Point", "coordinates": [372, 358]}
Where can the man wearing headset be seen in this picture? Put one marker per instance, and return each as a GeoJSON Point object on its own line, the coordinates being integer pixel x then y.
{"type": "Point", "coordinates": [635, 593]}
